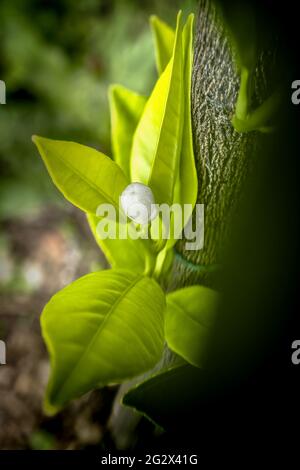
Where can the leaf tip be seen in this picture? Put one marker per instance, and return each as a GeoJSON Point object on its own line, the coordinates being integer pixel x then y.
{"type": "Point", "coordinates": [112, 88]}
{"type": "Point", "coordinates": [49, 409]}
{"type": "Point", "coordinates": [37, 139]}
{"type": "Point", "coordinates": [153, 19]}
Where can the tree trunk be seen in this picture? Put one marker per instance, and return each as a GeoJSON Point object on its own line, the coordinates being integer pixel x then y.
{"type": "Point", "coordinates": [223, 156]}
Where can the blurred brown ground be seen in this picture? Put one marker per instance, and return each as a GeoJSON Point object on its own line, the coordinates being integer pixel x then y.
{"type": "Point", "coordinates": [49, 250]}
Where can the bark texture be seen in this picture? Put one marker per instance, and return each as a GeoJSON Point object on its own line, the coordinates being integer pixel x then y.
{"type": "Point", "coordinates": [223, 156]}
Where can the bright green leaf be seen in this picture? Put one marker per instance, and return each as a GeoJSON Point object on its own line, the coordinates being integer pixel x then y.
{"type": "Point", "coordinates": [85, 176]}
{"type": "Point", "coordinates": [135, 255]}
{"type": "Point", "coordinates": [105, 327]}
{"type": "Point", "coordinates": [157, 140]}
{"type": "Point", "coordinates": [186, 186]}
{"type": "Point", "coordinates": [187, 170]}
{"type": "Point", "coordinates": [163, 264]}
{"type": "Point", "coordinates": [189, 315]}
{"type": "Point", "coordinates": [163, 37]}
{"type": "Point", "coordinates": [126, 108]}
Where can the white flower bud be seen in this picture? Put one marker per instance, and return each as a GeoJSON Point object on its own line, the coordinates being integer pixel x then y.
{"type": "Point", "coordinates": [137, 202]}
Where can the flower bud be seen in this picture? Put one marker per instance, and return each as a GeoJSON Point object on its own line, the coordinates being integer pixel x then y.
{"type": "Point", "coordinates": [137, 202]}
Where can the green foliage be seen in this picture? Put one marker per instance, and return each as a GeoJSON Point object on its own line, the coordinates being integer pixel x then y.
{"type": "Point", "coordinates": [108, 327]}
{"type": "Point", "coordinates": [155, 154]}
{"type": "Point", "coordinates": [169, 396]}
{"type": "Point", "coordinates": [56, 60]}
{"type": "Point", "coordinates": [189, 315]}
{"type": "Point", "coordinates": [164, 38]}
{"type": "Point", "coordinates": [155, 149]}
{"type": "Point", "coordinates": [42, 440]}
{"type": "Point", "coordinates": [136, 255]}
{"type": "Point", "coordinates": [103, 328]}
{"type": "Point", "coordinates": [246, 37]}
{"type": "Point", "coordinates": [188, 175]}
{"type": "Point", "coordinates": [259, 119]}
{"type": "Point", "coordinates": [126, 108]}
{"type": "Point", "coordinates": [85, 176]}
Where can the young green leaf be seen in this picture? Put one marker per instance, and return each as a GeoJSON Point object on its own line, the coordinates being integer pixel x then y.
{"type": "Point", "coordinates": [105, 327]}
{"type": "Point", "coordinates": [245, 42]}
{"type": "Point", "coordinates": [189, 314]}
{"type": "Point", "coordinates": [135, 255]}
{"type": "Point", "coordinates": [186, 186]}
{"type": "Point", "coordinates": [85, 176]}
{"type": "Point", "coordinates": [126, 108]}
{"type": "Point", "coordinates": [187, 169]}
{"type": "Point", "coordinates": [261, 118]}
{"type": "Point", "coordinates": [157, 140]}
{"type": "Point", "coordinates": [163, 38]}
{"type": "Point", "coordinates": [163, 265]}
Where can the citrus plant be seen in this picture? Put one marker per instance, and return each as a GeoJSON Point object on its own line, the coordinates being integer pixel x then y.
{"type": "Point", "coordinates": [111, 326]}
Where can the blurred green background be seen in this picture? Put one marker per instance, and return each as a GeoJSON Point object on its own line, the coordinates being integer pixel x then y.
{"type": "Point", "coordinates": [57, 59]}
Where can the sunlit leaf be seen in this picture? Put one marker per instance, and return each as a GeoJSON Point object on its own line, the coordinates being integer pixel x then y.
{"type": "Point", "coordinates": [186, 186]}
{"type": "Point", "coordinates": [86, 177]}
{"type": "Point", "coordinates": [187, 168]}
{"type": "Point", "coordinates": [189, 315]}
{"type": "Point", "coordinates": [136, 255]}
{"type": "Point", "coordinates": [157, 140]}
{"type": "Point", "coordinates": [105, 327]}
{"type": "Point", "coordinates": [163, 37]}
{"type": "Point", "coordinates": [126, 108]}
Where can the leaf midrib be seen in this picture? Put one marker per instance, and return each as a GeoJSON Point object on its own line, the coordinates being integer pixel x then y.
{"type": "Point", "coordinates": [198, 322]}
{"type": "Point", "coordinates": [165, 106]}
{"type": "Point", "coordinates": [82, 176]}
{"type": "Point", "coordinates": [162, 122]}
{"type": "Point", "coordinates": [97, 333]}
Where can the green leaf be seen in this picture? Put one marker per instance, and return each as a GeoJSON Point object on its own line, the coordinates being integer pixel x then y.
{"type": "Point", "coordinates": [242, 26]}
{"type": "Point", "coordinates": [135, 255]}
{"type": "Point", "coordinates": [187, 170]}
{"type": "Point", "coordinates": [186, 186]}
{"type": "Point", "coordinates": [103, 328]}
{"type": "Point", "coordinates": [170, 397]}
{"type": "Point", "coordinates": [157, 140]}
{"type": "Point", "coordinates": [259, 119]}
{"type": "Point", "coordinates": [126, 108]}
{"type": "Point", "coordinates": [85, 176]}
{"type": "Point", "coordinates": [189, 315]}
{"type": "Point", "coordinates": [163, 265]}
{"type": "Point", "coordinates": [163, 37]}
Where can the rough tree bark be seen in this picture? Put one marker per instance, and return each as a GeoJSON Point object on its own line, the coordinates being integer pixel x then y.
{"type": "Point", "coordinates": [223, 156]}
